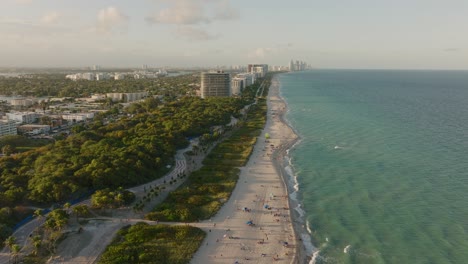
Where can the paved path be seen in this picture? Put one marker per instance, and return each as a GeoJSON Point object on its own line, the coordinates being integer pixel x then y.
{"type": "Point", "coordinates": [22, 234]}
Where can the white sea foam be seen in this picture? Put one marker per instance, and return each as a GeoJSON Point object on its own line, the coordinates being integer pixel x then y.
{"type": "Point", "coordinates": [300, 211]}
{"type": "Point", "coordinates": [309, 247]}
{"type": "Point", "coordinates": [308, 227]}
{"type": "Point", "coordinates": [314, 257]}
{"type": "Point", "coordinates": [346, 249]}
{"type": "Point", "coordinates": [292, 181]}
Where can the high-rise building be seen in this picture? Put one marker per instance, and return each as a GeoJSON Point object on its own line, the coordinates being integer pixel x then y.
{"type": "Point", "coordinates": [291, 66]}
{"type": "Point", "coordinates": [253, 68]}
{"type": "Point", "coordinates": [215, 84]}
{"type": "Point", "coordinates": [297, 66]}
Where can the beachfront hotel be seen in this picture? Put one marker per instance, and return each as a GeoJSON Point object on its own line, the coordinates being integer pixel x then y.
{"type": "Point", "coordinates": [215, 84]}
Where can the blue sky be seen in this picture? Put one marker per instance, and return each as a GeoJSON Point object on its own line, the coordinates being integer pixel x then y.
{"type": "Point", "coordinates": [411, 34]}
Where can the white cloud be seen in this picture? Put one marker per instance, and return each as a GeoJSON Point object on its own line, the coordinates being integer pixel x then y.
{"type": "Point", "coordinates": [189, 15]}
{"type": "Point", "coordinates": [452, 50]}
{"type": "Point", "coordinates": [110, 18]}
{"type": "Point", "coordinates": [192, 33]}
{"type": "Point", "coordinates": [260, 53]}
{"type": "Point", "coordinates": [224, 11]}
{"type": "Point", "coordinates": [50, 18]}
{"type": "Point", "coordinates": [23, 2]}
{"type": "Point", "coordinates": [15, 21]}
{"type": "Point", "coordinates": [193, 12]}
{"type": "Point", "coordinates": [183, 12]}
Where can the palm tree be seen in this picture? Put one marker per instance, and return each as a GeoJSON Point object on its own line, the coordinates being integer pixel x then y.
{"type": "Point", "coordinates": [81, 211]}
{"type": "Point", "coordinates": [9, 243]}
{"type": "Point", "coordinates": [36, 241]}
{"type": "Point", "coordinates": [67, 207]}
{"type": "Point", "coordinates": [15, 249]}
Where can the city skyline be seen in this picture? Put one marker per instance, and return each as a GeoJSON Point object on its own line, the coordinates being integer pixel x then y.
{"type": "Point", "coordinates": [187, 33]}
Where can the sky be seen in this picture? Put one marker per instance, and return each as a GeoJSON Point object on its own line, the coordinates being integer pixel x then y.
{"type": "Point", "coordinates": [357, 34]}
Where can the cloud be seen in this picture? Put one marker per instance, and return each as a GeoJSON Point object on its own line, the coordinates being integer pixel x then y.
{"type": "Point", "coordinates": [452, 50]}
{"type": "Point", "coordinates": [109, 18]}
{"type": "Point", "coordinates": [23, 2]}
{"type": "Point", "coordinates": [189, 15]}
{"type": "Point", "coordinates": [183, 12]}
{"type": "Point", "coordinates": [15, 22]}
{"type": "Point", "coordinates": [50, 18]}
{"type": "Point", "coordinates": [260, 53]}
{"type": "Point", "coordinates": [194, 12]}
{"type": "Point", "coordinates": [224, 11]}
{"type": "Point", "coordinates": [193, 33]}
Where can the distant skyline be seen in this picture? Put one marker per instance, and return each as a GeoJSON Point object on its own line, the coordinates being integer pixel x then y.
{"type": "Point", "coordinates": [360, 34]}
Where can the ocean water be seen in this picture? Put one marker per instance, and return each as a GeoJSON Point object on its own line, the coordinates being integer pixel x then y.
{"type": "Point", "coordinates": [382, 166]}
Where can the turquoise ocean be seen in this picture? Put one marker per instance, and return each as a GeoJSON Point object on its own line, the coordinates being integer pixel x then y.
{"type": "Point", "coordinates": [382, 164]}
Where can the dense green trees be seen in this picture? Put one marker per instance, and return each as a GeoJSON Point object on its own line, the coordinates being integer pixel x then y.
{"type": "Point", "coordinates": [130, 151]}
{"type": "Point", "coordinates": [144, 243]}
{"type": "Point", "coordinates": [208, 188]}
{"type": "Point", "coordinates": [111, 199]}
{"type": "Point", "coordinates": [55, 85]}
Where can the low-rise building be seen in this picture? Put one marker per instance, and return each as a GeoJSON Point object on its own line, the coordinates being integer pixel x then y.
{"type": "Point", "coordinates": [33, 129]}
{"type": "Point", "coordinates": [23, 117]}
{"type": "Point", "coordinates": [126, 97]}
{"type": "Point", "coordinates": [8, 127]}
{"type": "Point", "coordinates": [78, 117]}
{"type": "Point", "coordinates": [22, 102]}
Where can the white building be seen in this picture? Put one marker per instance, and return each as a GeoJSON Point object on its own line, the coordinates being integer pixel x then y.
{"type": "Point", "coordinates": [119, 76]}
{"type": "Point", "coordinates": [97, 97]}
{"type": "Point", "coordinates": [126, 97]}
{"type": "Point", "coordinates": [237, 85]}
{"type": "Point", "coordinates": [259, 71]}
{"type": "Point", "coordinates": [102, 76]}
{"type": "Point", "coordinates": [78, 117]}
{"type": "Point", "coordinates": [23, 117]}
{"type": "Point", "coordinates": [7, 127]}
{"type": "Point", "coordinates": [131, 97]}
{"type": "Point", "coordinates": [88, 76]}
{"type": "Point", "coordinates": [249, 78]}
{"type": "Point", "coordinates": [291, 66]}
{"type": "Point", "coordinates": [116, 97]}
{"type": "Point", "coordinates": [22, 102]}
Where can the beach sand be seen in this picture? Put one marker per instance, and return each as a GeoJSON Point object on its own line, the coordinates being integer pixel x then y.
{"type": "Point", "coordinates": [261, 197]}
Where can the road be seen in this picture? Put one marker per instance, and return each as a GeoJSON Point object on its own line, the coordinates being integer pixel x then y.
{"type": "Point", "coordinates": [22, 234]}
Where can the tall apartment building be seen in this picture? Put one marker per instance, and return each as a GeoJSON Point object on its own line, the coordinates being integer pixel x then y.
{"type": "Point", "coordinates": [215, 84]}
{"type": "Point", "coordinates": [259, 69]}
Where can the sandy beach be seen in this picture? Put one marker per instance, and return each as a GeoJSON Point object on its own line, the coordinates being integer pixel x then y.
{"type": "Point", "coordinates": [255, 225]}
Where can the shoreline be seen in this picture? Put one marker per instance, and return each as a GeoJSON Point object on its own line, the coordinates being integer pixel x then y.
{"type": "Point", "coordinates": [281, 161]}
{"type": "Point", "coordinates": [259, 222]}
